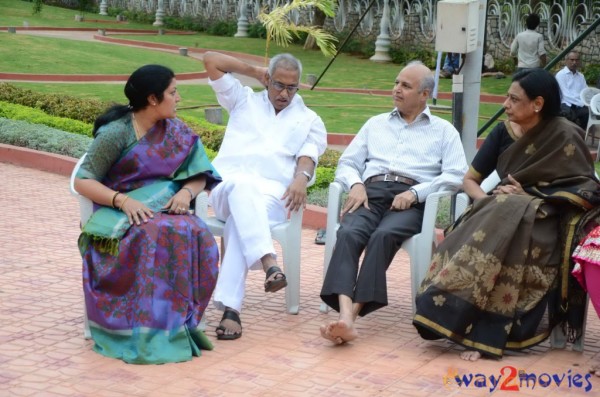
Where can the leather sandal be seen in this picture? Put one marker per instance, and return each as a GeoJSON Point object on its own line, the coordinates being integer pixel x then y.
{"type": "Point", "coordinates": [278, 282]}
{"type": "Point", "coordinates": [233, 316]}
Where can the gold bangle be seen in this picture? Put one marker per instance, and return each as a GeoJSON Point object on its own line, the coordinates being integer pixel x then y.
{"type": "Point", "coordinates": [112, 202]}
{"type": "Point", "coordinates": [123, 203]}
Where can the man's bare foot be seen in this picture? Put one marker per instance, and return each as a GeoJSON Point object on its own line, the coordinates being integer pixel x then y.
{"type": "Point", "coordinates": [325, 334]}
{"type": "Point", "coordinates": [341, 329]}
{"type": "Point", "coordinates": [470, 355]}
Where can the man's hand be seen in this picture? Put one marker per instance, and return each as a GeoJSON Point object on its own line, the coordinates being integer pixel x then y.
{"type": "Point", "coordinates": [513, 187]}
{"type": "Point", "coordinates": [403, 201]}
{"type": "Point", "coordinates": [356, 198]}
{"type": "Point", "coordinates": [296, 193]}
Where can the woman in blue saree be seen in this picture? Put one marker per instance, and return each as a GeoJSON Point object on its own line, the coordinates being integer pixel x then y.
{"type": "Point", "coordinates": [149, 264]}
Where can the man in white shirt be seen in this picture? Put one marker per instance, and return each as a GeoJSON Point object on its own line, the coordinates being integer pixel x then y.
{"type": "Point", "coordinates": [528, 46]}
{"type": "Point", "coordinates": [268, 156]}
{"type": "Point", "coordinates": [571, 83]}
{"type": "Point", "coordinates": [395, 161]}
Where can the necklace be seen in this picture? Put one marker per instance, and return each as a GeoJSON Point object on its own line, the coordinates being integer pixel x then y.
{"type": "Point", "coordinates": [136, 128]}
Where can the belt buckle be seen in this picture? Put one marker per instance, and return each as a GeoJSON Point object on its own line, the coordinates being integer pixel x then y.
{"type": "Point", "coordinates": [385, 178]}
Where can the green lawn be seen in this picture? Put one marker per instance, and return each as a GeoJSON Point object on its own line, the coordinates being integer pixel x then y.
{"type": "Point", "coordinates": [342, 113]}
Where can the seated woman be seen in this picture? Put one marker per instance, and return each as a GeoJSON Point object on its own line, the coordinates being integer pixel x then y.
{"type": "Point", "coordinates": [149, 264]}
{"type": "Point", "coordinates": [495, 282]}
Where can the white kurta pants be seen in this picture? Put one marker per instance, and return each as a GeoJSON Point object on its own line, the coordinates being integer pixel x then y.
{"type": "Point", "coordinates": [249, 214]}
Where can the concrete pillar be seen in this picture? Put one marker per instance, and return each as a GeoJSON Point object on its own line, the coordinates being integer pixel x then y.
{"type": "Point", "coordinates": [183, 51]}
{"type": "Point", "coordinates": [382, 44]}
{"type": "Point", "coordinates": [242, 24]}
{"type": "Point", "coordinates": [160, 13]}
{"type": "Point", "coordinates": [103, 7]}
{"type": "Point", "coordinates": [214, 115]}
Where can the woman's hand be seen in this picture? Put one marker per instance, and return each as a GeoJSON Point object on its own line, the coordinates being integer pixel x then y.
{"type": "Point", "coordinates": [513, 187]}
{"type": "Point", "coordinates": [179, 203]}
{"type": "Point", "coordinates": [135, 210]}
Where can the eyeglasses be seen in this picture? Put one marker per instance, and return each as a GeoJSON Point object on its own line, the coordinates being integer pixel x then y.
{"type": "Point", "coordinates": [291, 89]}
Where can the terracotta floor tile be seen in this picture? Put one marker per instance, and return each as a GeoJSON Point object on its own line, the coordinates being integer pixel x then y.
{"type": "Point", "coordinates": [43, 353]}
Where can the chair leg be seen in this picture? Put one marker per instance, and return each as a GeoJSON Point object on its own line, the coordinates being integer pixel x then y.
{"type": "Point", "coordinates": [87, 334]}
{"type": "Point", "coordinates": [291, 263]}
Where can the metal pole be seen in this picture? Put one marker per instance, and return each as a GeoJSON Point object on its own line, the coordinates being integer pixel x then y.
{"type": "Point", "coordinates": [343, 44]}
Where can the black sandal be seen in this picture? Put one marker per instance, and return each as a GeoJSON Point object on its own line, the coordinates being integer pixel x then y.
{"type": "Point", "coordinates": [233, 316]}
{"type": "Point", "coordinates": [278, 282]}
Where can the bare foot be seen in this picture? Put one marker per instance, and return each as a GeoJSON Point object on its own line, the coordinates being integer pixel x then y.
{"type": "Point", "coordinates": [470, 355]}
{"type": "Point", "coordinates": [325, 334]}
{"type": "Point", "coordinates": [341, 329]}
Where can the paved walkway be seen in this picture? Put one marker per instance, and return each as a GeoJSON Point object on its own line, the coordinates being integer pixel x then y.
{"type": "Point", "coordinates": [43, 352]}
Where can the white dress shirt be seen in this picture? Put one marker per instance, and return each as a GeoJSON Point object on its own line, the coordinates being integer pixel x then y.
{"type": "Point", "coordinates": [571, 84]}
{"type": "Point", "coordinates": [263, 144]}
{"type": "Point", "coordinates": [528, 46]}
{"type": "Point", "coordinates": [427, 150]}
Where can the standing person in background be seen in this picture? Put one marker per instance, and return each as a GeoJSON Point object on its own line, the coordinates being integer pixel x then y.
{"type": "Point", "coordinates": [572, 82]}
{"type": "Point", "coordinates": [268, 156]}
{"type": "Point", "coordinates": [528, 46]}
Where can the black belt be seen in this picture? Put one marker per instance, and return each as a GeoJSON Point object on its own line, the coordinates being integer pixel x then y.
{"type": "Point", "coordinates": [391, 178]}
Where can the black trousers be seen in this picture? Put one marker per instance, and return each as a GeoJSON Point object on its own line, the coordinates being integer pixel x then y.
{"type": "Point", "coordinates": [577, 114]}
{"type": "Point", "coordinates": [380, 232]}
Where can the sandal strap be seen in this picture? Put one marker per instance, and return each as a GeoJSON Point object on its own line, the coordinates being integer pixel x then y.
{"type": "Point", "coordinates": [274, 269]}
{"type": "Point", "coordinates": [231, 315]}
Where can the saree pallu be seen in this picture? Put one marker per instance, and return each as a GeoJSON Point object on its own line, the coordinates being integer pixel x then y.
{"type": "Point", "coordinates": [146, 287]}
{"type": "Point", "coordinates": [501, 277]}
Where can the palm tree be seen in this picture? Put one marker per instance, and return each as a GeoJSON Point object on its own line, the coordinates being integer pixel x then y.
{"type": "Point", "coordinates": [280, 28]}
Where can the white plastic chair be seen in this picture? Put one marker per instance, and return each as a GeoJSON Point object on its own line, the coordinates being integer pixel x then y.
{"type": "Point", "coordinates": [586, 96]}
{"type": "Point", "coordinates": [558, 339]}
{"type": "Point", "coordinates": [287, 234]}
{"type": "Point", "coordinates": [86, 208]}
{"type": "Point", "coordinates": [594, 118]}
{"type": "Point", "coordinates": [419, 246]}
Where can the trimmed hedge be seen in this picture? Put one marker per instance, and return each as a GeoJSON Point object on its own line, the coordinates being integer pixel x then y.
{"type": "Point", "coordinates": [44, 138]}
{"type": "Point", "coordinates": [36, 116]}
{"type": "Point", "coordinates": [85, 110]}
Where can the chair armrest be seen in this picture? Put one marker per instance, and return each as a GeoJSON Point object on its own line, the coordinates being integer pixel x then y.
{"type": "Point", "coordinates": [201, 208]}
{"type": "Point", "coordinates": [431, 208]}
{"type": "Point", "coordinates": [334, 204]}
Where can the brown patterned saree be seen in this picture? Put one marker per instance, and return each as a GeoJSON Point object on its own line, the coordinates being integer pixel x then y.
{"type": "Point", "coordinates": [500, 279]}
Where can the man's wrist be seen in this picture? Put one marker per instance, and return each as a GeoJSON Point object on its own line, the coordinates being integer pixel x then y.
{"type": "Point", "coordinates": [414, 192]}
{"type": "Point", "coordinates": [305, 174]}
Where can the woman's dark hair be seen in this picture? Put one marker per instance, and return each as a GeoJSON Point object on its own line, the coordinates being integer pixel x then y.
{"type": "Point", "coordinates": [145, 81]}
{"type": "Point", "coordinates": [539, 82]}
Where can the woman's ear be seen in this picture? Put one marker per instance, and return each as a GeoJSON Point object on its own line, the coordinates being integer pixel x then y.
{"type": "Point", "coordinates": [152, 101]}
{"type": "Point", "coordinates": [538, 103]}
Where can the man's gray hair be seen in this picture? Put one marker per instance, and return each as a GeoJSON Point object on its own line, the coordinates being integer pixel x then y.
{"type": "Point", "coordinates": [285, 61]}
{"type": "Point", "coordinates": [428, 82]}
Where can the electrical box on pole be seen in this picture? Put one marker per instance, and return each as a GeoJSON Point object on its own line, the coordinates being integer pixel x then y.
{"type": "Point", "coordinates": [457, 26]}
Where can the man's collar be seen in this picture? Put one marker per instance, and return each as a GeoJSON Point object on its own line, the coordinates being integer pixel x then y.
{"type": "Point", "coordinates": [425, 113]}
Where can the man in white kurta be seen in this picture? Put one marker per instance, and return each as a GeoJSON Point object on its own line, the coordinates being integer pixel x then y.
{"type": "Point", "coordinates": [269, 153]}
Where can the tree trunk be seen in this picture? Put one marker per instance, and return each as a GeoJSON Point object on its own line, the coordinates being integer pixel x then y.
{"type": "Point", "coordinates": [319, 21]}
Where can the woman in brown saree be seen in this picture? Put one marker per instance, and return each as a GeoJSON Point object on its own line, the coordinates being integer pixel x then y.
{"type": "Point", "coordinates": [500, 279]}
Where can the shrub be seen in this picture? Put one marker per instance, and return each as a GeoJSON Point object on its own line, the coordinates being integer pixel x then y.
{"type": "Point", "coordinates": [41, 137]}
{"type": "Point", "coordinates": [505, 65]}
{"type": "Point", "coordinates": [257, 30]}
{"type": "Point", "coordinates": [222, 28]}
{"type": "Point", "coordinates": [330, 158]}
{"type": "Point", "coordinates": [592, 74]}
{"type": "Point", "coordinates": [403, 56]}
{"type": "Point", "coordinates": [324, 177]}
{"type": "Point", "coordinates": [85, 110]}
{"type": "Point", "coordinates": [210, 134]}
{"type": "Point", "coordinates": [24, 113]}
